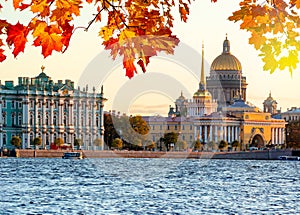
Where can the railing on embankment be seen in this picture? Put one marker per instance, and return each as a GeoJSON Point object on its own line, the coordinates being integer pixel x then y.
{"type": "Point", "coordinates": [254, 155]}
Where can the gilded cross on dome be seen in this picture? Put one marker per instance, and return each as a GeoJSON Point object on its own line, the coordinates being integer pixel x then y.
{"type": "Point", "coordinates": [43, 68]}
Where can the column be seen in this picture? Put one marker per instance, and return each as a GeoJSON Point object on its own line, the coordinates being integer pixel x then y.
{"type": "Point", "coordinates": [273, 137]}
{"type": "Point", "coordinates": [200, 132]}
{"type": "Point", "coordinates": [221, 133]}
{"type": "Point", "coordinates": [210, 133]}
{"type": "Point", "coordinates": [195, 133]}
{"type": "Point", "coordinates": [236, 132]}
{"type": "Point", "coordinates": [205, 133]}
{"type": "Point", "coordinates": [216, 133]}
{"type": "Point", "coordinates": [276, 135]}
{"type": "Point", "coordinates": [228, 134]}
{"type": "Point", "coordinates": [225, 133]}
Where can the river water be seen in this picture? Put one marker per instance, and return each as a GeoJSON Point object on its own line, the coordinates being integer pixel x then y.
{"type": "Point", "coordinates": [148, 186]}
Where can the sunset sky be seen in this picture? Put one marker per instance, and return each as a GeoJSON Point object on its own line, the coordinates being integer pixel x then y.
{"type": "Point", "coordinates": [86, 62]}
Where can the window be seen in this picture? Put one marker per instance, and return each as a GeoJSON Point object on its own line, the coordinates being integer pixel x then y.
{"type": "Point", "coordinates": [168, 128]}
{"type": "Point", "coordinates": [183, 137]}
{"type": "Point", "coordinates": [182, 127]}
{"type": "Point", "coordinates": [12, 104]}
{"type": "Point", "coordinates": [55, 120]}
{"type": "Point", "coordinates": [160, 127]}
{"type": "Point", "coordinates": [4, 103]}
{"type": "Point", "coordinates": [20, 119]}
{"type": "Point", "coordinates": [20, 105]}
{"type": "Point", "coordinates": [191, 137]}
{"type": "Point", "coordinates": [31, 119]}
{"type": "Point", "coordinates": [191, 127]}
{"type": "Point", "coordinates": [153, 127]}
{"type": "Point", "coordinates": [4, 119]}
{"type": "Point", "coordinates": [13, 119]}
{"type": "Point", "coordinates": [47, 119]}
{"type": "Point", "coordinates": [97, 120]}
{"type": "Point", "coordinates": [39, 120]}
{"type": "Point", "coordinates": [175, 127]}
{"type": "Point", "coordinates": [65, 119]}
{"type": "Point", "coordinates": [4, 139]}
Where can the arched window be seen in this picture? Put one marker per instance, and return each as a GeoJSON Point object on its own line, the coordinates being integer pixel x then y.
{"type": "Point", "coordinates": [47, 119]}
{"type": "Point", "coordinates": [55, 120]}
{"type": "Point", "coordinates": [31, 119]}
{"type": "Point", "coordinates": [39, 120]}
{"type": "Point", "coordinates": [65, 119]}
{"type": "Point", "coordinates": [97, 120]}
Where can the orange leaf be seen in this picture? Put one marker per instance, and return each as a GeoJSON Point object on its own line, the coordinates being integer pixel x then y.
{"type": "Point", "coordinates": [130, 67]}
{"type": "Point", "coordinates": [2, 56]}
{"type": "Point", "coordinates": [16, 3]}
{"type": "Point", "coordinates": [16, 35]}
{"type": "Point", "coordinates": [49, 40]}
{"type": "Point", "coordinates": [142, 65]}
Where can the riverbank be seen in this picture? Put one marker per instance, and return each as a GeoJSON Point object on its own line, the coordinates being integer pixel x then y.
{"type": "Point", "coordinates": [242, 155]}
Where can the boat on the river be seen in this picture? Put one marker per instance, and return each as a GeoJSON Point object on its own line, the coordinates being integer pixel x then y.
{"type": "Point", "coordinates": [72, 155]}
{"type": "Point", "coordinates": [289, 158]}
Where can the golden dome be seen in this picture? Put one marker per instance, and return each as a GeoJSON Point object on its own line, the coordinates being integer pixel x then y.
{"type": "Point", "coordinates": [226, 61]}
{"type": "Point", "coordinates": [202, 93]}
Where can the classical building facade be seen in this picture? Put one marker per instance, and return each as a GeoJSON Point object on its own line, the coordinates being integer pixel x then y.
{"type": "Point", "coordinates": [38, 107]}
{"type": "Point", "coordinates": [219, 111]}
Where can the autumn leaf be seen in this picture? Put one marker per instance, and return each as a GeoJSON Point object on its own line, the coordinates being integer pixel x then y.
{"type": "Point", "coordinates": [49, 38]}
{"type": "Point", "coordinates": [16, 36]}
{"type": "Point", "coordinates": [130, 67]}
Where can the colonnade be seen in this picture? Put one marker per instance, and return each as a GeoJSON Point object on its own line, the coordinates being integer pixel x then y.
{"type": "Point", "coordinates": [216, 133]}
{"type": "Point", "coordinates": [278, 136]}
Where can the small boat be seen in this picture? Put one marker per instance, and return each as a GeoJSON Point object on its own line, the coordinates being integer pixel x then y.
{"type": "Point", "coordinates": [72, 155]}
{"type": "Point", "coordinates": [289, 158]}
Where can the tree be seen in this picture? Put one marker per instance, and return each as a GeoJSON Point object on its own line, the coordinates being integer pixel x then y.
{"type": "Point", "coordinates": [98, 142]}
{"type": "Point", "coordinates": [150, 145]}
{"type": "Point", "coordinates": [117, 143]}
{"type": "Point", "coordinates": [37, 141]}
{"type": "Point", "coordinates": [138, 30]}
{"type": "Point", "coordinates": [235, 144]}
{"type": "Point", "coordinates": [211, 146]}
{"type": "Point", "coordinates": [59, 142]}
{"type": "Point", "coordinates": [197, 145]}
{"type": "Point", "coordinates": [78, 143]}
{"type": "Point", "coordinates": [181, 145]}
{"type": "Point", "coordinates": [223, 144]}
{"type": "Point", "coordinates": [16, 141]}
{"type": "Point", "coordinates": [170, 138]}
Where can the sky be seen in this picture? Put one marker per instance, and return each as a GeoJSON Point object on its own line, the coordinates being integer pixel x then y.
{"type": "Point", "coordinates": [86, 62]}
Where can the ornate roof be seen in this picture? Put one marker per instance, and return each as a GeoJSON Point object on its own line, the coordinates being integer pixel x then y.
{"type": "Point", "coordinates": [226, 61]}
{"type": "Point", "coordinates": [270, 100]}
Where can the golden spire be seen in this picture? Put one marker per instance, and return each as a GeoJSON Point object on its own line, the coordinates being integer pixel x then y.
{"type": "Point", "coordinates": [43, 68]}
{"type": "Point", "coordinates": [202, 79]}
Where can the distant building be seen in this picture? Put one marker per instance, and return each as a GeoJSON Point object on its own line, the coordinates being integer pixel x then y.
{"type": "Point", "coordinates": [291, 115]}
{"type": "Point", "coordinates": [219, 111]}
{"type": "Point", "coordinates": [38, 107]}
{"type": "Point", "coordinates": [270, 105]}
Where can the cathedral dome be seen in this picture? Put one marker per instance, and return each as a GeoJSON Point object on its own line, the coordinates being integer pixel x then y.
{"type": "Point", "coordinates": [226, 61]}
{"type": "Point", "coordinates": [202, 93]}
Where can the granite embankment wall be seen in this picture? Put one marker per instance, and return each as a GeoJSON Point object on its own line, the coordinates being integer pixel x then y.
{"type": "Point", "coordinates": [254, 155]}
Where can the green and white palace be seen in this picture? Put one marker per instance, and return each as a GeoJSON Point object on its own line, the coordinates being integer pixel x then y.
{"type": "Point", "coordinates": [39, 107]}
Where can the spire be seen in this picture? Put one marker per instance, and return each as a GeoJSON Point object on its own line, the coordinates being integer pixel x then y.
{"type": "Point", "coordinates": [226, 46]}
{"type": "Point", "coordinates": [181, 94]}
{"type": "Point", "coordinates": [202, 79]}
{"type": "Point", "coordinates": [270, 94]}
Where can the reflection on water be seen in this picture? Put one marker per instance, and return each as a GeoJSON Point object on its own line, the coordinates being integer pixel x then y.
{"type": "Point", "coordinates": [148, 186]}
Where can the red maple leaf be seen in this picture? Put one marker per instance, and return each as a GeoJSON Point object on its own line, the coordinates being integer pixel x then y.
{"type": "Point", "coordinates": [142, 65]}
{"type": "Point", "coordinates": [16, 35]}
{"type": "Point", "coordinates": [2, 56]}
{"type": "Point", "coordinates": [130, 68]}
